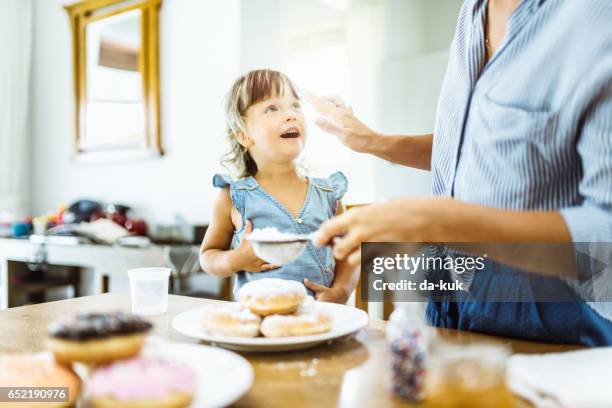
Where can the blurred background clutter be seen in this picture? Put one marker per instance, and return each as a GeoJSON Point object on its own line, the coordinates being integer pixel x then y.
{"type": "Point", "coordinates": [82, 218]}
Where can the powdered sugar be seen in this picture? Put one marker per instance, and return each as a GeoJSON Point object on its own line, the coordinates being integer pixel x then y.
{"type": "Point", "coordinates": [276, 247]}
{"type": "Point", "coordinates": [303, 322]}
{"type": "Point", "coordinates": [271, 234]}
{"type": "Point", "coordinates": [271, 287]}
{"type": "Point", "coordinates": [235, 311]}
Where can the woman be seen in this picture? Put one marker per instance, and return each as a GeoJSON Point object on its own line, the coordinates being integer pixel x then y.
{"type": "Point", "coordinates": [521, 152]}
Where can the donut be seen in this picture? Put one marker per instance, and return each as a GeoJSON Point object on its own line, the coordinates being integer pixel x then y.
{"type": "Point", "coordinates": [97, 338]}
{"type": "Point", "coordinates": [37, 370]}
{"type": "Point", "coordinates": [306, 321]}
{"type": "Point", "coordinates": [141, 382]}
{"type": "Point", "coordinates": [272, 296]}
{"type": "Point", "coordinates": [231, 319]}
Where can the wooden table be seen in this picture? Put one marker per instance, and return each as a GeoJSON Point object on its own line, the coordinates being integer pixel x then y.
{"type": "Point", "coordinates": [351, 372]}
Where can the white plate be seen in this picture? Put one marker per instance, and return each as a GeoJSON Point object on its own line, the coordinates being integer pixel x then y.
{"type": "Point", "coordinates": [345, 320]}
{"type": "Point", "coordinates": [223, 376]}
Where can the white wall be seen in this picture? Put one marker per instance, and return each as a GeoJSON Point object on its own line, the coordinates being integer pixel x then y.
{"type": "Point", "coordinates": [199, 59]}
{"type": "Point", "coordinates": [261, 41]}
{"type": "Point", "coordinates": [15, 22]}
{"type": "Point", "coordinates": [416, 40]}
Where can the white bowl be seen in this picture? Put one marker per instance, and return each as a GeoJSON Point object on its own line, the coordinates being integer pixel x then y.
{"type": "Point", "coordinates": [278, 253]}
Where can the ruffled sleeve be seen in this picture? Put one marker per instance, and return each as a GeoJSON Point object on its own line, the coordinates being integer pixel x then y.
{"type": "Point", "coordinates": [339, 183]}
{"type": "Point", "coordinates": [334, 187]}
{"type": "Point", "coordinates": [222, 181]}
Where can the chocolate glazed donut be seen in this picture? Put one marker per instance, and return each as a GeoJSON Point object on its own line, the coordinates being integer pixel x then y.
{"type": "Point", "coordinates": [87, 326]}
{"type": "Point", "coordinates": [97, 338]}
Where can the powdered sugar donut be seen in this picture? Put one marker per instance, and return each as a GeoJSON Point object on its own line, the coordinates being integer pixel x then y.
{"type": "Point", "coordinates": [305, 321]}
{"type": "Point", "coordinates": [272, 296]}
{"type": "Point", "coordinates": [142, 382]}
{"type": "Point", "coordinates": [231, 319]}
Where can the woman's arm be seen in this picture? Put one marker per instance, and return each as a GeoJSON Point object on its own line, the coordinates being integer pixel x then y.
{"type": "Point", "coordinates": [451, 221]}
{"type": "Point", "coordinates": [339, 120]}
{"type": "Point", "coordinates": [215, 256]}
{"type": "Point", "coordinates": [407, 150]}
{"type": "Point", "coordinates": [345, 279]}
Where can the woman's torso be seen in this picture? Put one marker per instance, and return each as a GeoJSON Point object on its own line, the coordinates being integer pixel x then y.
{"type": "Point", "coordinates": [506, 136]}
{"type": "Point", "coordinates": [506, 132]}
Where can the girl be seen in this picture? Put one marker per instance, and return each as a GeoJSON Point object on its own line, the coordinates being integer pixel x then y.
{"type": "Point", "coordinates": [267, 131]}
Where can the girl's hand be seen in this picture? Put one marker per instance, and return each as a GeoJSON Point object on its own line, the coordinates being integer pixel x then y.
{"type": "Point", "coordinates": [325, 294]}
{"type": "Point", "coordinates": [243, 257]}
{"type": "Point", "coordinates": [396, 220]}
{"type": "Point", "coordinates": [339, 120]}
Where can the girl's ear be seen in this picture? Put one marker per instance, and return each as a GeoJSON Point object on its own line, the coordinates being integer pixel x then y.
{"type": "Point", "coordinates": [243, 139]}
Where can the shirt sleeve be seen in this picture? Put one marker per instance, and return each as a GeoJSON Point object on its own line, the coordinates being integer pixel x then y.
{"type": "Point", "coordinates": [592, 220]}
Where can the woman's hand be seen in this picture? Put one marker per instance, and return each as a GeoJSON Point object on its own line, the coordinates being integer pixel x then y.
{"type": "Point", "coordinates": [325, 294]}
{"type": "Point", "coordinates": [339, 120]}
{"type": "Point", "coordinates": [244, 259]}
{"type": "Point", "coordinates": [396, 220]}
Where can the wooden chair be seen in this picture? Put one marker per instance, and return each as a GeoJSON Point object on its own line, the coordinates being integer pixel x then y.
{"type": "Point", "coordinates": [362, 304]}
{"type": "Point", "coordinates": [226, 289]}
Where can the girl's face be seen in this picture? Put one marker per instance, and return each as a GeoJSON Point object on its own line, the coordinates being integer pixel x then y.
{"type": "Point", "coordinates": [276, 129]}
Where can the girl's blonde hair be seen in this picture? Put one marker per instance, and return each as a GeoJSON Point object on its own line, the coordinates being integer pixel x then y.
{"type": "Point", "coordinates": [246, 91]}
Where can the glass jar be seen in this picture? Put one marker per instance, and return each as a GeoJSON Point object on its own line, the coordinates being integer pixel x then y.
{"type": "Point", "coordinates": [407, 342]}
{"type": "Point", "coordinates": [468, 375]}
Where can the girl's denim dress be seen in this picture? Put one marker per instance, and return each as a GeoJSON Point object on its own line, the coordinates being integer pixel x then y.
{"type": "Point", "coordinates": [256, 205]}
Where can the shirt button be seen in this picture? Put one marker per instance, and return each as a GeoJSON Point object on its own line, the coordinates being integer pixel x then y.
{"type": "Point", "coordinates": [298, 220]}
{"type": "Point", "coordinates": [326, 269]}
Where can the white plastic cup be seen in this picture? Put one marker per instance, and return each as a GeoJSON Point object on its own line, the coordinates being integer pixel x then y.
{"type": "Point", "coordinates": [149, 290]}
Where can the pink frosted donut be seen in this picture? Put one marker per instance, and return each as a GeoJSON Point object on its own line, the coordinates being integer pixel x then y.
{"type": "Point", "coordinates": [142, 382]}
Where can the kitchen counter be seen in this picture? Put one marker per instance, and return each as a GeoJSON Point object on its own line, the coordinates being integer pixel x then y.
{"type": "Point", "coordinates": [97, 263]}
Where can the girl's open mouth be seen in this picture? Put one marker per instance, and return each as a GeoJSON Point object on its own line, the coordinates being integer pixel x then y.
{"type": "Point", "coordinates": [291, 133]}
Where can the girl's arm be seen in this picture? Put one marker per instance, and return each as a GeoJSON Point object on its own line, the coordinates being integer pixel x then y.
{"type": "Point", "coordinates": [345, 279]}
{"type": "Point", "coordinates": [215, 256]}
